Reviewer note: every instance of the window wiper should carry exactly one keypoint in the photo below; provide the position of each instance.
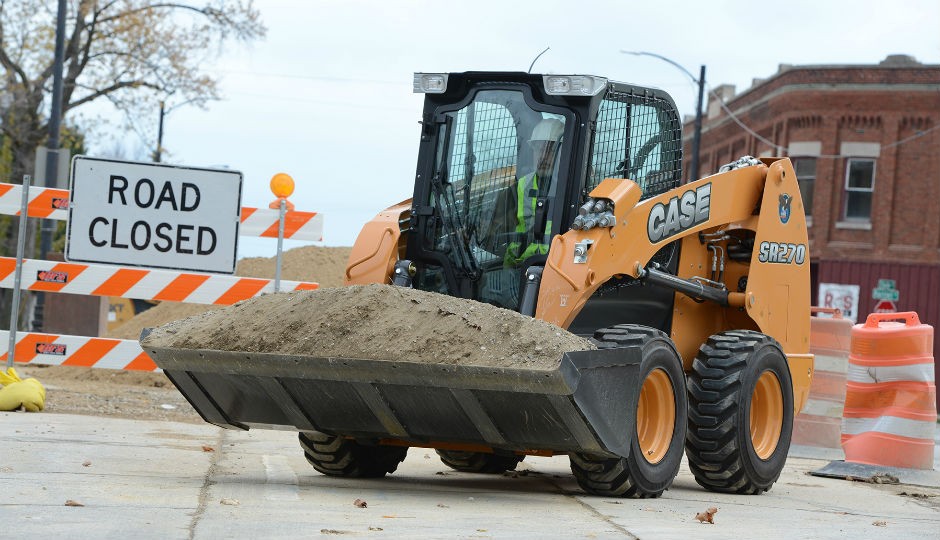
(453, 224)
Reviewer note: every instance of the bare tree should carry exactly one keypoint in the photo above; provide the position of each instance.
(130, 52)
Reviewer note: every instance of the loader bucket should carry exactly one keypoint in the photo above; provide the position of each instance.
(586, 404)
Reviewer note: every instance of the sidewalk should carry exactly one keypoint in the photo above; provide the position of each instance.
(148, 479)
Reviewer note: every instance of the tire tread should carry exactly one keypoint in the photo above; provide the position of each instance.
(333, 455)
(713, 442)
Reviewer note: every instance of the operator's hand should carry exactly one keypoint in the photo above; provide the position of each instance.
(509, 259)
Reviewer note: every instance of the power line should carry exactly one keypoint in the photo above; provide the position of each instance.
(742, 125)
(320, 102)
(319, 78)
(784, 149)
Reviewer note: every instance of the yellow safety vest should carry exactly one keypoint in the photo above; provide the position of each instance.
(525, 222)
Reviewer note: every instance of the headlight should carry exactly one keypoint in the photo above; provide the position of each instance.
(573, 85)
(430, 83)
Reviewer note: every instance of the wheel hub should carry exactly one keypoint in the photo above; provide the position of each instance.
(766, 414)
(655, 416)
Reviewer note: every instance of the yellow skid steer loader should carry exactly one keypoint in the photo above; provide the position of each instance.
(560, 197)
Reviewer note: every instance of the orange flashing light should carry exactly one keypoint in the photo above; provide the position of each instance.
(282, 185)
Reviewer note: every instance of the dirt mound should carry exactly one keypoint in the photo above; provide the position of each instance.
(324, 265)
(379, 322)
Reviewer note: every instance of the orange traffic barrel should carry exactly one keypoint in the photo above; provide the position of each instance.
(820, 422)
(890, 410)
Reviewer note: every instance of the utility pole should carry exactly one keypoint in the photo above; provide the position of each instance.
(159, 152)
(697, 134)
(55, 122)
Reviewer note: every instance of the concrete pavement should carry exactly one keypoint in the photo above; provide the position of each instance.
(149, 479)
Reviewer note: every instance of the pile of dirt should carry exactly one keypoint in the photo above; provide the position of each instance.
(323, 265)
(378, 322)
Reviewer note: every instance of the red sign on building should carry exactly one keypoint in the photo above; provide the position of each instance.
(885, 306)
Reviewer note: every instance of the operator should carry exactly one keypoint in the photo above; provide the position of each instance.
(530, 195)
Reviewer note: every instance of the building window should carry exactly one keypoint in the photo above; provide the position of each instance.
(805, 168)
(859, 186)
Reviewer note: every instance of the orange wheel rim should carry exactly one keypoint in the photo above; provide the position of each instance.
(766, 414)
(655, 416)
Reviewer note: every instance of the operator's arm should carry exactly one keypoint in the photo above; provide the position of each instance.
(497, 233)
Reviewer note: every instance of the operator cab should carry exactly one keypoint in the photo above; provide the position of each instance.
(506, 159)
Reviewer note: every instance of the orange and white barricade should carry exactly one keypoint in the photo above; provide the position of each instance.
(134, 282)
(890, 410)
(142, 283)
(52, 203)
(820, 422)
(63, 350)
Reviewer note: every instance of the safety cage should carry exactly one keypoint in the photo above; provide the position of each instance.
(470, 235)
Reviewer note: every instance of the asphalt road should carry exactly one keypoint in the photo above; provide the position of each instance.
(151, 479)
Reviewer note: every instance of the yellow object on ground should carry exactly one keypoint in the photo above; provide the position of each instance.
(16, 393)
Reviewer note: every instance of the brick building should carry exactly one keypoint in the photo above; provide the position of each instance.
(865, 142)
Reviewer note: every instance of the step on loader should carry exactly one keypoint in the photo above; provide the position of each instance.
(561, 198)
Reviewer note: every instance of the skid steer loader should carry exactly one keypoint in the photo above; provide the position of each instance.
(560, 197)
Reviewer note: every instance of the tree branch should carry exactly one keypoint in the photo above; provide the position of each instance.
(7, 62)
(215, 14)
(109, 90)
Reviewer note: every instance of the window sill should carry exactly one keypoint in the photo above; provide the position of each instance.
(855, 225)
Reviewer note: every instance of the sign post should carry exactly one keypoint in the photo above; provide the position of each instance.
(20, 245)
(282, 185)
(153, 215)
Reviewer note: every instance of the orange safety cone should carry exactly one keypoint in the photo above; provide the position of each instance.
(819, 424)
(890, 410)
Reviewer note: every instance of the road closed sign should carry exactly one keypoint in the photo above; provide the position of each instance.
(153, 215)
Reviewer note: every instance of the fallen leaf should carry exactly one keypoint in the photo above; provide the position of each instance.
(230, 502)
(882, 478)
(86, 464)
(879, 523)
(885, 478)
(70, 502)
(707, 516)
(359, 503)
(206, 448)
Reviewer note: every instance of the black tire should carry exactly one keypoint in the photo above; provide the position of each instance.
(636, 476)
(720, 446)
(478, 462)
(337, 456)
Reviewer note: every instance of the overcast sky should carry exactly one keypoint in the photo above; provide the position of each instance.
(327, 96)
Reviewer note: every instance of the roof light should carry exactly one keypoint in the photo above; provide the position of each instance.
(430, 83)
(573, 85)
